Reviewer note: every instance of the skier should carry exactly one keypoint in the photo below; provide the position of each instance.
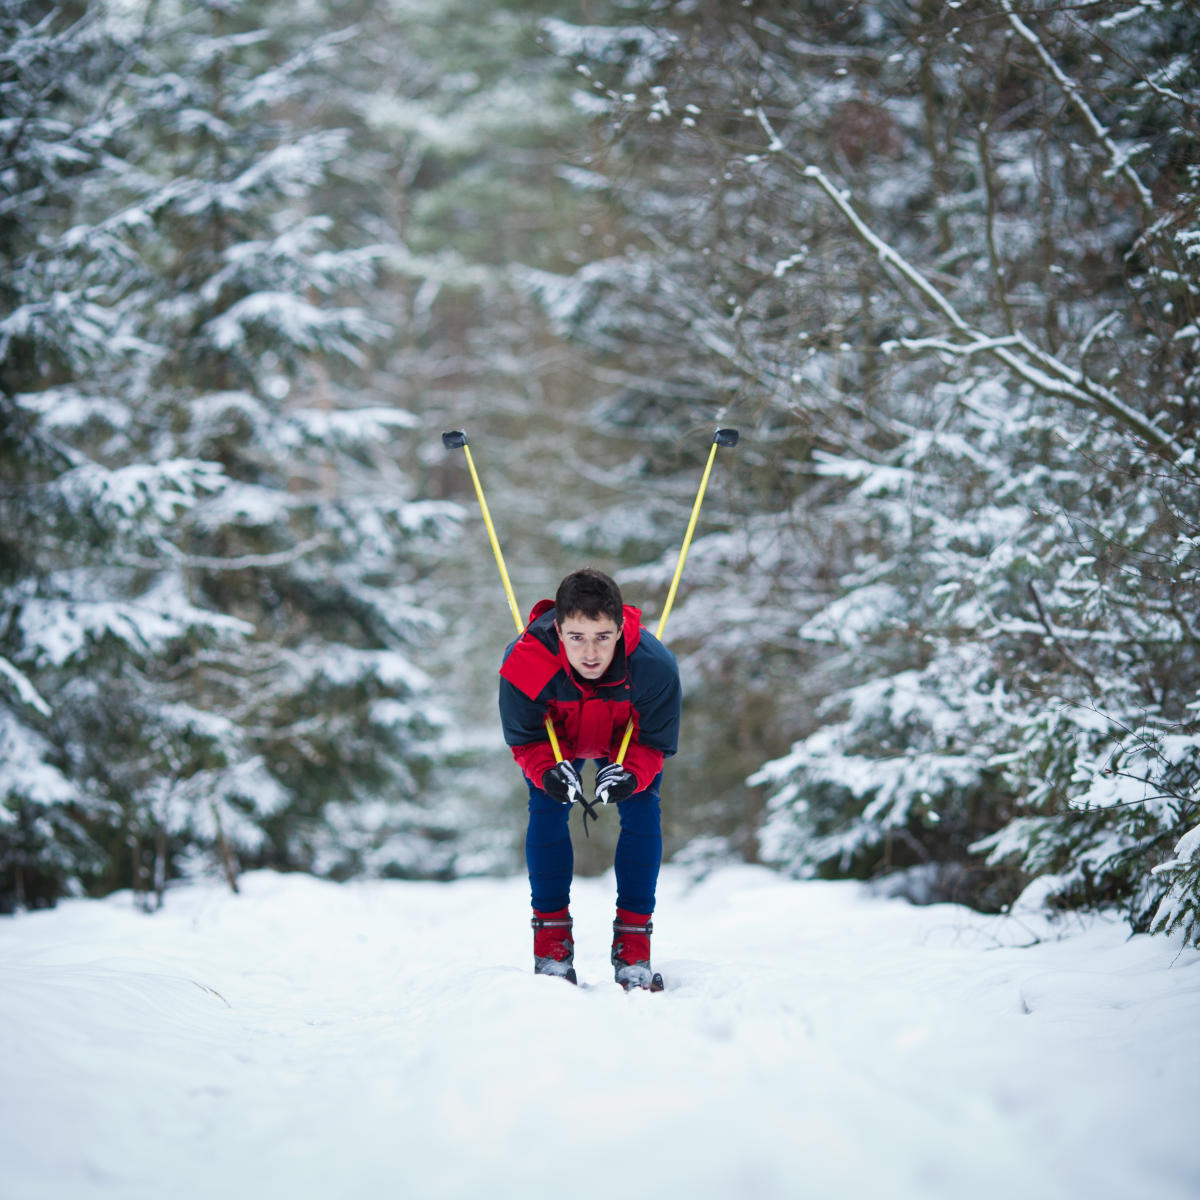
(585, 661)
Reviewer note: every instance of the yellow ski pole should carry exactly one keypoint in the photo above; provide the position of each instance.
(723, 437)
(453, 440)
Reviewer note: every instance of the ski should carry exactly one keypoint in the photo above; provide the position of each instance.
(656, 983)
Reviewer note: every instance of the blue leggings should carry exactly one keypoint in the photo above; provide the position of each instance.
(551, 859)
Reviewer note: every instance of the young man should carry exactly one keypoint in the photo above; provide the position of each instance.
(585, 661)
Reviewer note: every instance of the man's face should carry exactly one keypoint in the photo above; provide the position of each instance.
(590, 644)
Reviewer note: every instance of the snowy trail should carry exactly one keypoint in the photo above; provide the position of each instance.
(308, 1039)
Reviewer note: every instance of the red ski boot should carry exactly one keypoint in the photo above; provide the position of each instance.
(631, 951)
(553, 945)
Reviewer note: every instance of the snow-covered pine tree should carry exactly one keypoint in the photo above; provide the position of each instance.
(213, 617)
(78, 628)
(1059, 560)
(319, 540)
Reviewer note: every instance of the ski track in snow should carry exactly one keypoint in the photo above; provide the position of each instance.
(307, 1039)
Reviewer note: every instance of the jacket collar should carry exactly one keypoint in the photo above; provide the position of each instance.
(538, 654)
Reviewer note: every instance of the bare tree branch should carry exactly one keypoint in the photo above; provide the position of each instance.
(1119, 159)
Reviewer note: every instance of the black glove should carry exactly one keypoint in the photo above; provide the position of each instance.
(562, 783)
(614, 783)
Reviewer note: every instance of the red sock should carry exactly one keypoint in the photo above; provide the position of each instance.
(631, 947)
(554, 941)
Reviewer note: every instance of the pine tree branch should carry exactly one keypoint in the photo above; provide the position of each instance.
(242, 562)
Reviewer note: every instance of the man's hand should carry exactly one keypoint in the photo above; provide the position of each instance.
(614, 783)
(562, 783)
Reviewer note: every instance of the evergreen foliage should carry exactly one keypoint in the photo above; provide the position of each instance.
(949, 253)
(210, 619)
(939, 264)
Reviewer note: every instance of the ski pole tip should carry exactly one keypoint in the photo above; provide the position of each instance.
(453, 439)
(726, 437)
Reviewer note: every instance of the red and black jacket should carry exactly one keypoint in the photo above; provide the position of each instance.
(590, 716)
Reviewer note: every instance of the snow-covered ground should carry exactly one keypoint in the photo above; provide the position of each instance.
(370, 1040)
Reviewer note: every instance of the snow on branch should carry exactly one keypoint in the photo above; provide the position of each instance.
(1028, 362)
(774, 145)
(27, 771)
(1118, 157)
(57, 630)
(141, 491)
(356, 426)
(637, 47)
(288, 78)
(26, 692)
(978, 346)
(1045, 372)
(240, 562)
(298, 322)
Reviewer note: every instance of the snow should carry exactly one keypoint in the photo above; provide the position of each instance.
(307, 1038)
(58, 630)
(293, 321)
(141, 490)
(27, 770)
(852, 618)
(346, 666)
(19, 682)
(639, 47)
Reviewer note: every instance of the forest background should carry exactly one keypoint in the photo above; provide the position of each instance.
(938, 263)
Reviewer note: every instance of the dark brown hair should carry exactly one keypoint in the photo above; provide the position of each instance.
(589, 593)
